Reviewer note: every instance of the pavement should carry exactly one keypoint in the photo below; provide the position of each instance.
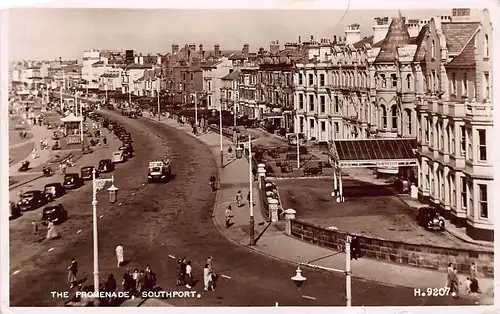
(273, 242)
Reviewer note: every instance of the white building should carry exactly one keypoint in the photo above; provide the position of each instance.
(213, 72)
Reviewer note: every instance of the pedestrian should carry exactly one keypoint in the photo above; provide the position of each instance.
(110, 286)
(228, 215)
(140, 283)
(207, 278)
(20, 194)
(254, 174)
(181, 271)
(72, 272)
(454, 282)
(189, 275)
(128, 282)
(51, 231)
(135, 277)
(239, 197)
(35, 231)
(105, 141)
(248, 198)
(150, 278)
(467, 285)
(119, 254)
(474, 287)
(34, 153)
(230, 151)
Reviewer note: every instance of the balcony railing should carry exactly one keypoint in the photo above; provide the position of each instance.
(479, 110)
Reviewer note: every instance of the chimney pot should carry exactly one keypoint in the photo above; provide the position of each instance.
(300, 41)
(312, 38)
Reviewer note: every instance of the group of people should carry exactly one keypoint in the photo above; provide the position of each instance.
(471, 284)
(51, 231)
(185, 274)
(139, 281)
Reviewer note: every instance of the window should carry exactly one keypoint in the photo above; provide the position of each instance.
(323, 126)
(453, 192)
(301, 81)
(434, 80)
(301, 101)
(382, 81)
(464, 191)
(394, 79)
(337, 106)
(311, 124)
(384, 117)
(311, 80)
(487, 85)
(433, 50)
(321, 80)
(464, 92)
(336, 126)
(408, 82)
(394, 115)
(192, 76)
(483, 200)
(482, 145)
(454, 83)
(462, 140)
(322, 104)
(452, 139)
(209, 86)
(486, 46)
(209, 101)
(311, 102)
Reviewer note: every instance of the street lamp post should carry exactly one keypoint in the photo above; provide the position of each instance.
(158, 80)
(195, 113)
(297, 139)
(220, 137)
(61, 92)
(250, 176)
(299, 279)
(98, 184)
(81, 124)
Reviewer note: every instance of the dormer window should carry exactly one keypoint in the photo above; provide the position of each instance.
(433, 50)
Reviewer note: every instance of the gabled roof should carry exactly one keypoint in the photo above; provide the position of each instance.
(362, 42)
(137, 66)
(421, 44)
(111, 75)
(397, 35)
(457, 35)
(232, 76)
(466, 59)
(209, 64)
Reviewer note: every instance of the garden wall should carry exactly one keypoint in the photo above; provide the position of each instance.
(423, 256)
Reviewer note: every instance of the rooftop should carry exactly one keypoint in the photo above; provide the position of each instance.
(458, 34)
(374, 149)
(397, 35)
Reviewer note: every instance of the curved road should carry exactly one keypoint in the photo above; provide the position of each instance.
(155, 221)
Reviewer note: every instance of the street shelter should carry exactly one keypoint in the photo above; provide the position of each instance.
(356, 153)
(71, 124)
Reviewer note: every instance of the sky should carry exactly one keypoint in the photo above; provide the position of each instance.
(50, 33)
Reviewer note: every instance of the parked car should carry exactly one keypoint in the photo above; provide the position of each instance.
(86, 172)
(15, 211)
(127, 151)
(72, 181)
(55, 213)
(118, 157)
(31, 200)
(429, 218)
(106, 165)
(53, 190)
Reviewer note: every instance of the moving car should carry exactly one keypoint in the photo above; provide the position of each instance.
(15, 211)
(72, 181)
(105, 165)
(159, 171)
(86, 172)
(53, 190)
(55, 213)
(31, 200)
(429, 218)
(119, 157)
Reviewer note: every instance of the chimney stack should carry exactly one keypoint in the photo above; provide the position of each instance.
(141, 60)
(175, 49)
(274, 47)
(136, 59)
(192, 47)
(312, 38)
(246, 50)
(300, 41)
(158, 60)
(335, 39)
(217, 51)
(201, 47)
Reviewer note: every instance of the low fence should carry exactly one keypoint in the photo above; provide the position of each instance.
(422, 256)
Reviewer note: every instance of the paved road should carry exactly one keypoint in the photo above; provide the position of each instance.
(156, 221)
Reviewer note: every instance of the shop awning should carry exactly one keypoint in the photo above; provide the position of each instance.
(374, 152)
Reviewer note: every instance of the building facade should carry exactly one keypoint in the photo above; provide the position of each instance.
(229, 92)
(455, 123)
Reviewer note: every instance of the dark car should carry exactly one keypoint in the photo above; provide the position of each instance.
(128, 151)
(55, 213)
(31, 200)
(53, 190)
(105, 165)
(72, 181)
(429, 218)
(86, 172)
(15, 211)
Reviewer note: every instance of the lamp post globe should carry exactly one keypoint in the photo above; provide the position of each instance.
(112, 193)
(298, 279)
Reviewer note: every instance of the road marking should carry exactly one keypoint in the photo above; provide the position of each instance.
(51, 249)
(171, 256)
(227, 277)
(16, 272)
(79, 231)
(308, 297)
(119, 204)
(133, 193)
(101, 216)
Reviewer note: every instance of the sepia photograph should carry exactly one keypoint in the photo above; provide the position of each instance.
(177, 157)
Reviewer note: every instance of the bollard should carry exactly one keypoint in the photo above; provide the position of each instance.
(273, 209)
(289, 216)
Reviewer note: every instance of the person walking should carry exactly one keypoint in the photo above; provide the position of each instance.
(135, 277)
(181, 271)
(228, 215)
(239, 197)
(119, 254)
(207, 279)
(150, 278)
(110, 286)
(51, 231)
(140, 283)
(35, 231)
(454, 282)
(189, 275)
(248, 198)
(128, 282)
(72, 272)
(254, 174)
(474, 285)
